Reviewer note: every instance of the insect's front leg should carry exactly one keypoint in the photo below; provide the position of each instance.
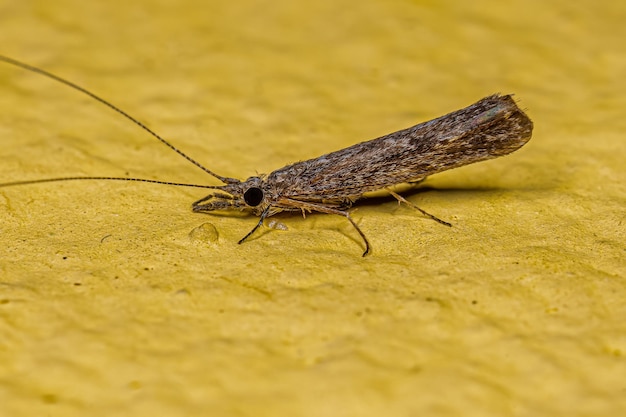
(259, 224)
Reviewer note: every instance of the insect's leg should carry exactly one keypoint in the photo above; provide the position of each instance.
(408, 203)
(323, 209)
(417, 181)
(367, 244)
(259, 224)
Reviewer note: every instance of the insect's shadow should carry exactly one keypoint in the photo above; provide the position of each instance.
(377, 199)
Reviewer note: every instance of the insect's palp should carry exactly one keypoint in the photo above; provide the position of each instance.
(212, 196)
(215, 201)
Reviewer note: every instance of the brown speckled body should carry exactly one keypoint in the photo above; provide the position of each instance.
(492, 127)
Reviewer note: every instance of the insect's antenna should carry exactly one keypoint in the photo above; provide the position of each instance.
(39, 181)
(45, 73)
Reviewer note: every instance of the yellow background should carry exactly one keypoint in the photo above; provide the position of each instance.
(116, 299)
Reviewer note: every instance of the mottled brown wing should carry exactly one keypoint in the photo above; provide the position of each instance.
(491, 127)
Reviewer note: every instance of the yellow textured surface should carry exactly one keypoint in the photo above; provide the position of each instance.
(116, 299)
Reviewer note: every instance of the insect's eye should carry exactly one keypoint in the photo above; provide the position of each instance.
(253, 196)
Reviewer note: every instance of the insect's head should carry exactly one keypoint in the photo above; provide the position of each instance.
(246, 195)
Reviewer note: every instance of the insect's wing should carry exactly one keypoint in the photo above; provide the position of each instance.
(491, 127)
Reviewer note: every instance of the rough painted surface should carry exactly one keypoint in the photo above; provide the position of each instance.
(117, 299)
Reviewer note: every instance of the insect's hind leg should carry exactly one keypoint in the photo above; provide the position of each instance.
(408, 203)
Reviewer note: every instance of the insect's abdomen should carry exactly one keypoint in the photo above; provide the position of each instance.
(491, 127)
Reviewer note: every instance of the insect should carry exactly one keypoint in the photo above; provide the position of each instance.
(493, 126)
